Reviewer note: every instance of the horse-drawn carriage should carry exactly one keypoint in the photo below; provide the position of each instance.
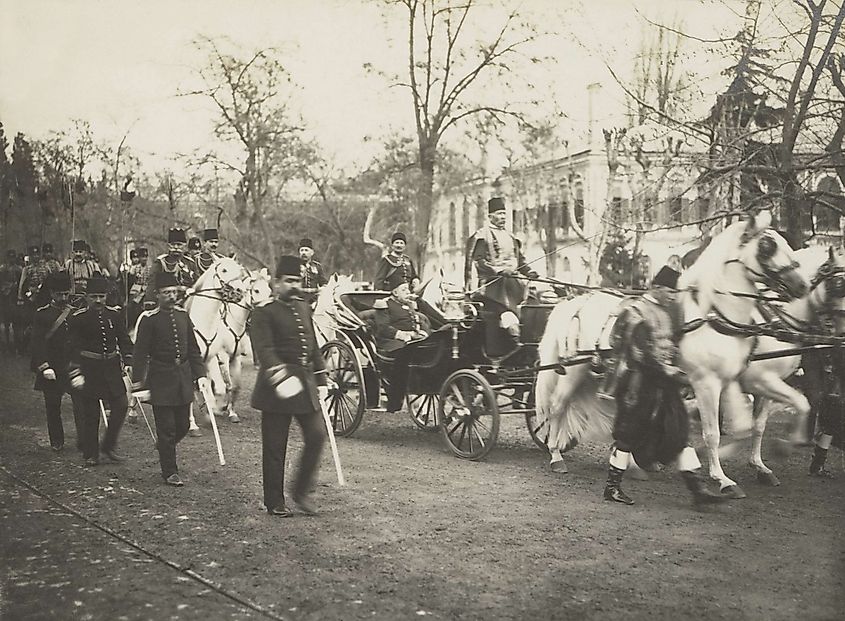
(454, 386)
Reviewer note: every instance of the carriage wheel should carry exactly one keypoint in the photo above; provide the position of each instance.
(468, 414)
(423, 410)
(346, 400)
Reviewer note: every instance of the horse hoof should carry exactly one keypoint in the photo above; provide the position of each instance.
(559, 467)
(734, 492)
(195, 433)
(768, 478)
(233, 418)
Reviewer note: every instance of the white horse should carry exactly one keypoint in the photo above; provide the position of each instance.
(219, 306)
(325, 308)
(765, 378)
(713, 354)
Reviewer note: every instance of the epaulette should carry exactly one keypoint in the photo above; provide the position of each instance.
(380, 304)
(80, 311)
(40, 308)
(116, 309)
(181, 308)
(150, 313)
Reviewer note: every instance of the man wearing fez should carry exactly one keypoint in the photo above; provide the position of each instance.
(175, 262)
(99, 345)
(194, 247)
(498, 260)
(396, 262)
(167, 363)
(397, 324)
(32, 277)
(651, 421)
(208, 256)
(50, 358)
(80, 267)
(313, 276)
(291, 383)
(10, 277)
(136, 282)
(49, 256)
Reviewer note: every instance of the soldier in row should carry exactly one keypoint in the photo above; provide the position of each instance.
(51, 357)
(167, 364)
(99, 347)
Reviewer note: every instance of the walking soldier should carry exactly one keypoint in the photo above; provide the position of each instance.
(98, 345)
(50, 358)
(167, 362)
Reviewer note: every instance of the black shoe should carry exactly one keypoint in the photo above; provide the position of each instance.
(615, 493)
(822, 473)
(701, 495)
(305, 505)
(174, 480)
(280, 511)
(112, 456)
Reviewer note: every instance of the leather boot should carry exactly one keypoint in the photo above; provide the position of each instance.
(613, 490)
(817, 468)
(696, 483)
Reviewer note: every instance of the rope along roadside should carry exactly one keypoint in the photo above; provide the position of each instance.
(190, 573)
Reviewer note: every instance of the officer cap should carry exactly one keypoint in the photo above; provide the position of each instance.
(666, 277)
(399, 235)
(97, 284)
(58, 281)
(143, 252)
(165, 279)
(133, 254)
(288, 265)
(305, 242)
(78, 245)
(209, 234)
(175, 236)
(497, 203)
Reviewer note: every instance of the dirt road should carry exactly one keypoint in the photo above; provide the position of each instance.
(416, 533)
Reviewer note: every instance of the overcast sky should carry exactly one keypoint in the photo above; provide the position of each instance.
(120, 63)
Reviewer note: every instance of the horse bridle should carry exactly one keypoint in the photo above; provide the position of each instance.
(766, 249)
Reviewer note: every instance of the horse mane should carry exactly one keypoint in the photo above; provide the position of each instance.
(704, 275)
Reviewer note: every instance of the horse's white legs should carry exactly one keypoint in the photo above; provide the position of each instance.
(761, 415)
(775, 388)
(233, 371)
(708, 392)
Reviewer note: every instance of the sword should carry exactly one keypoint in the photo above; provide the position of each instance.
(209, 405)
(340, 479)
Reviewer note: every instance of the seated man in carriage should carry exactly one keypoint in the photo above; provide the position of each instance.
(498, 260)
(398, 324)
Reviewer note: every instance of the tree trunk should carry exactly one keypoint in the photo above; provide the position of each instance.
(425, 202)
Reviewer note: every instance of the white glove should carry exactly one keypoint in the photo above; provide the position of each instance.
(203, 384)
(323, 392)
(77, 382)
(49, 374)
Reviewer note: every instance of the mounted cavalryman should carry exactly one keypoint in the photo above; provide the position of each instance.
(208, 256)
(313, 276)
(175, 262)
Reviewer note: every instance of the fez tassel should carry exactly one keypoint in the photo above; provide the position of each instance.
(341, 481)
(209, 404)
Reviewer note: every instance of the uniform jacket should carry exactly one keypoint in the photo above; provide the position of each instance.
(79, 272)
(313, 276)
(485, 251)
(395, 316)
(282, 333)
(98, 344)
(166, 358)
(33, 276)
(645, 344)
(50, 347)
(184, 268)
(205, 260)
(388, 265)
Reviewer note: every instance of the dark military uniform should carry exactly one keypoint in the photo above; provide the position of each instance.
(10, 277)
(181, 266)
(392, 316)
(98, 345)
(282, 333)
(167, 361)
(390, 265)
(313, 276)
(205, 260)
(50, 350)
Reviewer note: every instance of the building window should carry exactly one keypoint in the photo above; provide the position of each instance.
(578, 198)
(830, 193)
(453, 224)
(465, 224)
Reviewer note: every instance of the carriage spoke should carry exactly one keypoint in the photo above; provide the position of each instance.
(478, 435)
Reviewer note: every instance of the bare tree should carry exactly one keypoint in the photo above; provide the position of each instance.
(252, 96)
(445, 69)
